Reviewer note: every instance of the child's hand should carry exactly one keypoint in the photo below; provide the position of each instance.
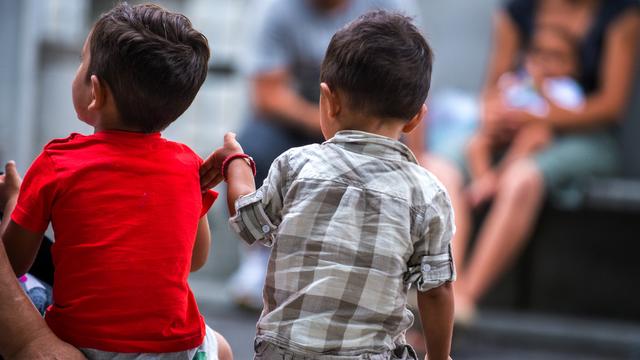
(210, 171)
(9, 184)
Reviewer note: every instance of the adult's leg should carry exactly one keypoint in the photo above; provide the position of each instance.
(506, 229)
(453, 180)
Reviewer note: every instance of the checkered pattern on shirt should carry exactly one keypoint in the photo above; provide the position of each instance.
(352, 222)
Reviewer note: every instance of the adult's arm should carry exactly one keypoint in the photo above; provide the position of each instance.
(619, 63)
(506, 44)
(273, 95)
(24, 332)
(504, 54)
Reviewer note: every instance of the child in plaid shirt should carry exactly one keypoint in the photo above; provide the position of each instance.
(355, 221)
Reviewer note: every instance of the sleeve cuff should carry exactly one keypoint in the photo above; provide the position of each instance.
(251, 222)
(23, 219)
(208, 198)
(431, 272)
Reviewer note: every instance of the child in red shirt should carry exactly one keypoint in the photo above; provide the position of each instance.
(125, 204)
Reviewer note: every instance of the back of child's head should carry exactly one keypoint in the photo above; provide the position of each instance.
(152, 60)
(381, 63)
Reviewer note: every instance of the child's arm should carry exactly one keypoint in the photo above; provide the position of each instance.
(239, 175)
(239, 183)
(21, 245)
(436, 314)
(431, 270)
(202, 245)
(255, 214)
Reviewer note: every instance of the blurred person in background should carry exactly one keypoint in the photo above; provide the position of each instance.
(283, 65)
(583, 142)
(548, 74)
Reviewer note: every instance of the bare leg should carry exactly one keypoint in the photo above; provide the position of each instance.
(506, 229)
(453, 181)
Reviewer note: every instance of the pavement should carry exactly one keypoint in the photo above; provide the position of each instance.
(496, 335)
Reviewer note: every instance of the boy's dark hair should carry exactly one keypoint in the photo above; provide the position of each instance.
(382, 65)
(153, 61)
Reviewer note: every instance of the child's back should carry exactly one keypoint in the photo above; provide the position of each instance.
(125, 208)
(355, 211)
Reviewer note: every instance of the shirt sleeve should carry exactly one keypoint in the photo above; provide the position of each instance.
(208, 198)
(431, 264)
(259, 214)
(269, 45)
(37, 194)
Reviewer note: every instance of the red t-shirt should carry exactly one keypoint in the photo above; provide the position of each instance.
(125, 209)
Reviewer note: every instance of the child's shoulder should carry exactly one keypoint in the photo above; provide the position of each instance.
(426, 186)
(297, 154)
(62, 143)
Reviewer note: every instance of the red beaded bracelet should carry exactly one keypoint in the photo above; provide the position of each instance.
(230, 158)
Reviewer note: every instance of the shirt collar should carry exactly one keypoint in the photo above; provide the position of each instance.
(372, 145)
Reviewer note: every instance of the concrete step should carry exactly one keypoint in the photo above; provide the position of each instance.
(510, 335)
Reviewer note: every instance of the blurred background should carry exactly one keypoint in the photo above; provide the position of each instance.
(572, 295)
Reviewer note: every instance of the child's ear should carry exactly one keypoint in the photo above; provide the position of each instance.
(98, 94)
(409, 126)
(331, 100)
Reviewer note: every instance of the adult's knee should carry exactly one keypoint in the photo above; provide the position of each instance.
(448, 173)
(521, 182)
(224, 349)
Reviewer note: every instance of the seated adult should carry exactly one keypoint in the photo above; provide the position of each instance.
(583, 143)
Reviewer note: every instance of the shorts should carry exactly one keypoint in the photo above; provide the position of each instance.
(207, 351)
(568, 163)
(268, 351)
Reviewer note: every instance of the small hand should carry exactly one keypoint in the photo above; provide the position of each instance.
(210, 171)
(9, 184)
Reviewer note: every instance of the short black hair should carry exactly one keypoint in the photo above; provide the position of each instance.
(153, 61)
(381, 63)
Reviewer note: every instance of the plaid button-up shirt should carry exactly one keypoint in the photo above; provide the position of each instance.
(352, 224)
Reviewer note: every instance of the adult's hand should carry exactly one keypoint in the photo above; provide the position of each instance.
(9, 184)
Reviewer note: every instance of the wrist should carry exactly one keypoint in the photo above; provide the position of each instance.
(235, 158)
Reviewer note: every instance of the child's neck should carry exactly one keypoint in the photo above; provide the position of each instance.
(390, 128)
(113, 124)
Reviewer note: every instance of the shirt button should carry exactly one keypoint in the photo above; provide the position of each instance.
(265, 228)
(426, 267)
